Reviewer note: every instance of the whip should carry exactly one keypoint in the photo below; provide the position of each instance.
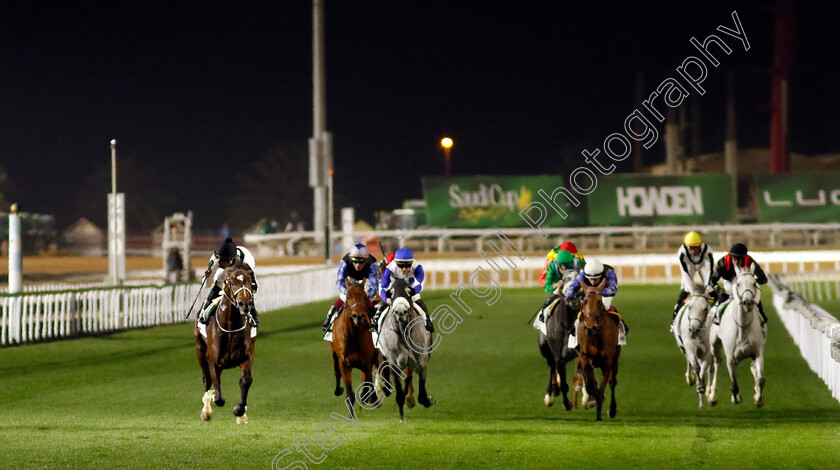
(203, 280)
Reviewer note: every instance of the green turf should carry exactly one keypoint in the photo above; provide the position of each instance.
(132, 400)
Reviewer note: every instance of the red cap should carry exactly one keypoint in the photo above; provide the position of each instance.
(389, 258)
(569, 246)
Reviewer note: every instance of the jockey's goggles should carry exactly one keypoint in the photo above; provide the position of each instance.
(358, 260)
(403, 264)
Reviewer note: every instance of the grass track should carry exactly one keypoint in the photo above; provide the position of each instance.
(131, 400)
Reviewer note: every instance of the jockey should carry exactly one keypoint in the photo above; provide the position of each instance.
(695, 257)
(568, 246)
(728, 267)
(357, 264)
(403, 267)
(228, 255)
(591, 275)
(564, 261)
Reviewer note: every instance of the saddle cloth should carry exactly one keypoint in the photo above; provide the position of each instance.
(208, 313)
(540, 325)
(375, 334)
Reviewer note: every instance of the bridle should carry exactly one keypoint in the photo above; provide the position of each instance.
(232, 299)
(740, 295)
(597, 316)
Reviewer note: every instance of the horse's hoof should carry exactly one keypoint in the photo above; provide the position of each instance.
(567, 405)
(759, 403)
(431, 401)
(339, 391)
(402, 420)
(410, 402)
(548, 400)
(611, 413)
(590, 404)
(206, 416)
(239, 410)
(220, 402)
(242, 419)
(713, 402)
(736, 399)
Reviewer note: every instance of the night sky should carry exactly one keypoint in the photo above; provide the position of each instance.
(195, 93)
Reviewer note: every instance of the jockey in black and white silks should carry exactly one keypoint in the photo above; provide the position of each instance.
(696, 259)
(228, 255)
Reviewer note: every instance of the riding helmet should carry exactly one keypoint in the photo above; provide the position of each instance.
(404, 254)
(568, 246)
(359, 251)
(593, 269)
(692, 239)
(227, 249)
(565, 258)
(738, 249)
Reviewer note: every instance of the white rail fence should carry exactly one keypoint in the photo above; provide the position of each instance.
(38, 316)
(814, 330)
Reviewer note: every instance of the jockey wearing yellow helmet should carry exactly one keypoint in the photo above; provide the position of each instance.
(696, 258)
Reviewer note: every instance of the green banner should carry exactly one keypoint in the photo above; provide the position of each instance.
(798, 198)
(496, 201)
(655, 200)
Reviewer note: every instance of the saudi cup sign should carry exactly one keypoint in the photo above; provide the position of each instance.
(656, 200)
(799, 198)
(490, 201)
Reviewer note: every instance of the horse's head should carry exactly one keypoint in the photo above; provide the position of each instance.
(357, 302)
(239, 291)
(592, 309)
(698, 310)
(401, 302)
(746, 290)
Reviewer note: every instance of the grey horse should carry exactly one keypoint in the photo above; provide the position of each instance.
(405, 343)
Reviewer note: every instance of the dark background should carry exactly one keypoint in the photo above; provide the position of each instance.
(211, 104)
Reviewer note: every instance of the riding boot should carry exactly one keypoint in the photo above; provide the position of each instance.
(763, 315)
(721, 300)
(214, 292)
(373, 319)
(254, 320)
(330, 314)
(429, 327)
(626, 328)
(680, 300)
(548, 302)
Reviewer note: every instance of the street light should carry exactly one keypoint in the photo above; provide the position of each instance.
(446, 143)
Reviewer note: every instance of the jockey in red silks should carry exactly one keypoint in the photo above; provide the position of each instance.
(728, 267)
(568, 246)
(358, 264)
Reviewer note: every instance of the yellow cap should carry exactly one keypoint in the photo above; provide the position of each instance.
(693, 239)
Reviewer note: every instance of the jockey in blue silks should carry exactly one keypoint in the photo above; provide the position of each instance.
(358, 264)
(592, 275)
(403, 267)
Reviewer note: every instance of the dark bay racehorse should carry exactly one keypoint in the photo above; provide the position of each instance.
(405, 345)
(554, 346)
(598, 340)
(352, 344)
(228, 344)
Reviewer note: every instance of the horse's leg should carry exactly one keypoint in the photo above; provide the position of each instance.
(733, 371)
(758, 373)
(714, 367)
(408, 389)
(367, 377)
(564, 386)
(552, 383)
(216, 377)
(244, 385)
(591, 388)
(348, 381)
(577, 385)
(337, 370)
(400, 395)
(614, 381)
(424, 398)
(690, 377)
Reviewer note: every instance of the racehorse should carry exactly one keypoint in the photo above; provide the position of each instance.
(228, 344)
(405, 343)
(740, 335)
(352, 344)
(691, 330)
(598, 340)
(554, 345)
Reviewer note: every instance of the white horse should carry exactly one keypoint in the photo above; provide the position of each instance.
(691, 330)
(740, 335)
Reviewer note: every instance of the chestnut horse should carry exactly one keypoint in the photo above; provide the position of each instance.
(228, 344)
(598, 339)
(352, 343)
